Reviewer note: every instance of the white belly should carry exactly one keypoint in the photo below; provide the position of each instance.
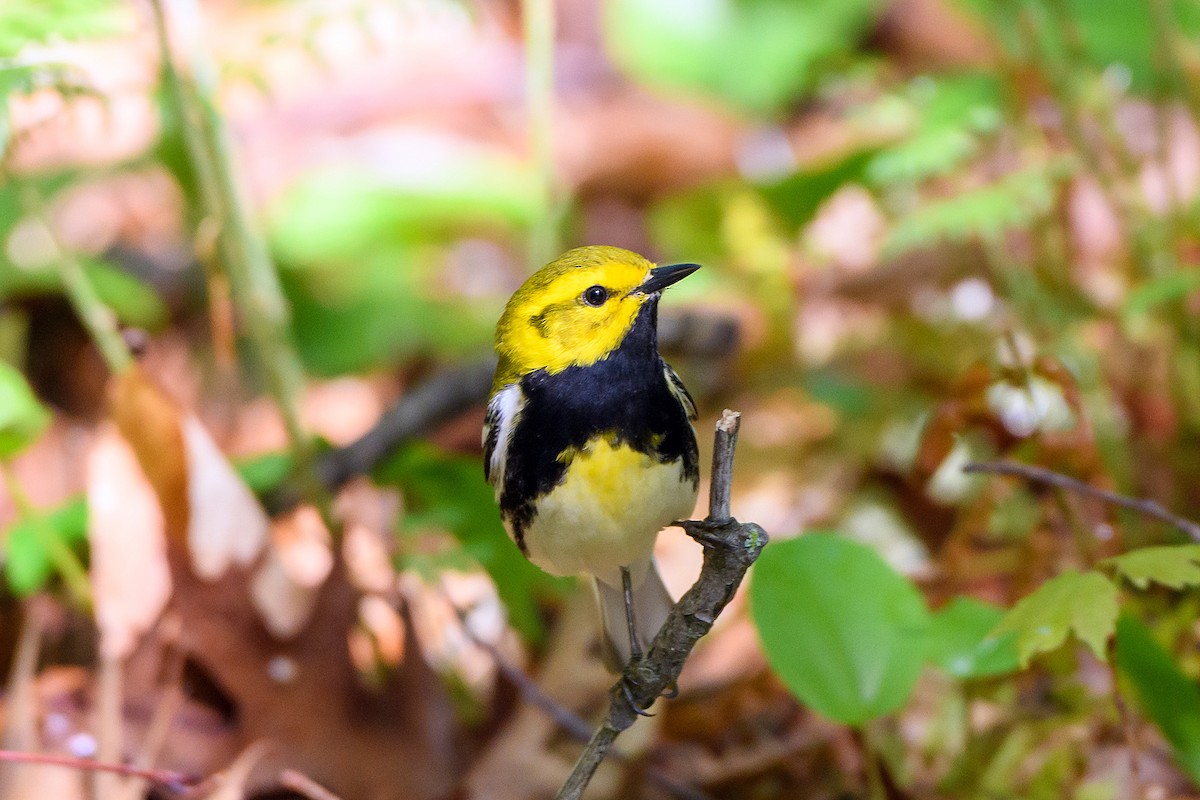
(607, 512)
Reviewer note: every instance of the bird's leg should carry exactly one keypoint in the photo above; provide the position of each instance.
(635, 647)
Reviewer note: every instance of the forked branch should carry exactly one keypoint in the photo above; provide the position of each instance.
(730, 547)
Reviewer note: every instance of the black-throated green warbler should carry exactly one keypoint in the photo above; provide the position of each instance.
(588, 439)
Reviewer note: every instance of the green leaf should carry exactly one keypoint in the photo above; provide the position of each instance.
(797, 197)
(1175, 566)
(1160, 290)
(960, 640)
(132, 300)
(27, 564)
(845, 633)
(26, 22)
(339, 215)
(1083, 603)
(1168, 697)
(264, 472)
(22, 417)
(950, 116)
(362, 257)
(449, 491)
(1114, 33)
(1013, 202)
(758, 55)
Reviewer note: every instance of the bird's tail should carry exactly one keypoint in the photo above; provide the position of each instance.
(651, 604)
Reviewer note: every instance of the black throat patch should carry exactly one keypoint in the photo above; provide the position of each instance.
(624, 395)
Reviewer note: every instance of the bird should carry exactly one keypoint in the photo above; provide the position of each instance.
(588, 438)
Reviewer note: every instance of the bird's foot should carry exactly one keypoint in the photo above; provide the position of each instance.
(627, 690)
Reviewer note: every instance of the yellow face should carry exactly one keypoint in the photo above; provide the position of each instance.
(572, 312)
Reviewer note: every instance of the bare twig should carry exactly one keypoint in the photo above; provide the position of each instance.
(730, 548)
(1151, 508)
(163, 777)
(96, 316)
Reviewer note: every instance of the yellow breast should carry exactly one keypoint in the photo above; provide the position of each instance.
(607, 511)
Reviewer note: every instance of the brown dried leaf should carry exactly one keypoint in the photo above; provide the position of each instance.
(297, 562)
(227, 526)
(150, 424)
(130, 578)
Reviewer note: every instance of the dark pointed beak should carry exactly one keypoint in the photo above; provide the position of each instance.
(662, 277)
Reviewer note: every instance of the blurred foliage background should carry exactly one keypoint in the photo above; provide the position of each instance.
(260, 246)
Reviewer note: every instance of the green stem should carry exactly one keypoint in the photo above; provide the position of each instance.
(65, 561)
(96, 316)
(243, 254)
(538, 19)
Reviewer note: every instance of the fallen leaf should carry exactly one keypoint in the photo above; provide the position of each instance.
(227, 526)
(150, 423)
(283, 604)
(130, 579)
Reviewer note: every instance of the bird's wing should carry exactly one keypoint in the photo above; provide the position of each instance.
(680, 391)
(502, 412)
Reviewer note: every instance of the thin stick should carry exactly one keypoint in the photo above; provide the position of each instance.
(96, 316)
(1151, 508)
(730, 548)
(589, 761)
(162, 777)
(724, 444)
(19, 729)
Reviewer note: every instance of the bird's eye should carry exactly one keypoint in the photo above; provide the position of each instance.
(595, 295)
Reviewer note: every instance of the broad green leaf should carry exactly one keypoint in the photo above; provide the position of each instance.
(338, 216)
(22, 417)
(449, 492)
(26, 22)
(758, 55)
(960, 640)
(362, 257)
(1168, 697)
(844, 632)
(27, 565)
(1175, 566)
(1083, 603)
